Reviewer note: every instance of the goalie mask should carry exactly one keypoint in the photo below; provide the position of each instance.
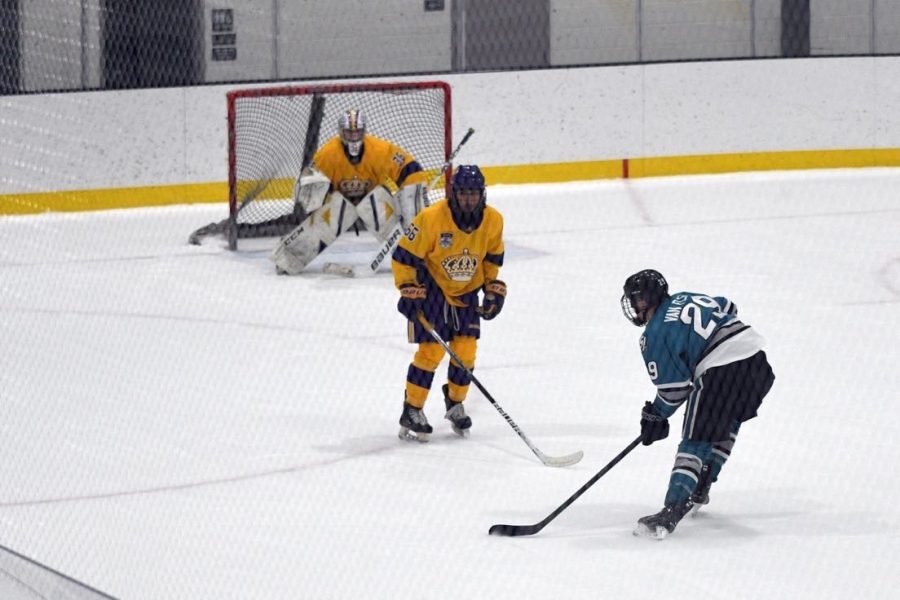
(643, 291)
(352, 129)
(467, 197)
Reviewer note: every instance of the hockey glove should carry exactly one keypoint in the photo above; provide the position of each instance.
(654, 427)
(494, 295)
(412, 299)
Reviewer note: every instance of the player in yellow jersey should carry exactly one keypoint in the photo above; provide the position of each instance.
(451, 251)
(346, 183)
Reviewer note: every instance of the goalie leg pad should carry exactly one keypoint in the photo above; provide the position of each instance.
(299, 247)
(376, 210)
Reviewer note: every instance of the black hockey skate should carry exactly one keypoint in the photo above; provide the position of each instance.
(413, 424)
(700, 497)
(456, 414)
(663, 523)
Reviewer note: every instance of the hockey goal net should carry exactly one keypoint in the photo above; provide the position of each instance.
(274, 132)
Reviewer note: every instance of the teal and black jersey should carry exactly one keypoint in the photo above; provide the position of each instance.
(688, 334)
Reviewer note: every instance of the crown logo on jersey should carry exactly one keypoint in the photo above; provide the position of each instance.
(461, 267)
(354, 189)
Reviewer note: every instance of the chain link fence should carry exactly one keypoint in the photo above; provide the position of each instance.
(58, 45)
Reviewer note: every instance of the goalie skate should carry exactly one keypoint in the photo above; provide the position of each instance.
(413, 424)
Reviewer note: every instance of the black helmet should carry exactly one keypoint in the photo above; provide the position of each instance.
(467, 178)
(647, 285)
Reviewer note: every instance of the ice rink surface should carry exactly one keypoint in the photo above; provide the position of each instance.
(179, 422)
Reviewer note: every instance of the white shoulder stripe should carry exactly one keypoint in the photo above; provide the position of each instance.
(677, 384)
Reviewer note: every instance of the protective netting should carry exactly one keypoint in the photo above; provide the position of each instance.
(273, 130)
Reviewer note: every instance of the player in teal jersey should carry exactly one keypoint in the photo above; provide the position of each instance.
(697, 352)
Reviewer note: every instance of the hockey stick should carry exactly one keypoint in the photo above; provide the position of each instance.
(517, 530)
(550, 461)
(390, 242)
(450, 158)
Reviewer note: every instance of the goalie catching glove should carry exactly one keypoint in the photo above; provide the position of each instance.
(494, 295)
(412, 299)
(311, 188)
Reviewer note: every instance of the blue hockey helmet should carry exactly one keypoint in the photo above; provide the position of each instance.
(467, 178)
(644, 290)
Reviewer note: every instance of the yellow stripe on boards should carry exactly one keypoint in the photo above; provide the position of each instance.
(554, 172)
(195, 193)
(762, 161)
(103, 199)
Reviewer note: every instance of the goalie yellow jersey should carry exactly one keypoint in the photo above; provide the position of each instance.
(457, 261)
(381, 162)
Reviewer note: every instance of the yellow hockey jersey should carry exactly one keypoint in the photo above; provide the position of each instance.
(457, 261)
(381, 162)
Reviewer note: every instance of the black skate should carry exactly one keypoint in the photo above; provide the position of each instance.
(700, 497)
(456, 414)
(663, 523)
(413, 424)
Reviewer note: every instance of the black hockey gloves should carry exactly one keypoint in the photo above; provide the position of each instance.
(654, 427)
(494, 295)
(412, 297)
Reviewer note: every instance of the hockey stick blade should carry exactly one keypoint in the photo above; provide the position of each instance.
(520, 530)
(339, 269)
(515, 530)
(349, 271)
(196, 238)
(561, 461)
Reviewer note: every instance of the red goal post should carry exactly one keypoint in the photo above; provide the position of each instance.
(273, 133)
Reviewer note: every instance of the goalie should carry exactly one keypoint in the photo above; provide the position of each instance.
(345, 184)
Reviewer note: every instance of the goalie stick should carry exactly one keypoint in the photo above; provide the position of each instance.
(550, 461)
(390, 242)
(518, 530)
